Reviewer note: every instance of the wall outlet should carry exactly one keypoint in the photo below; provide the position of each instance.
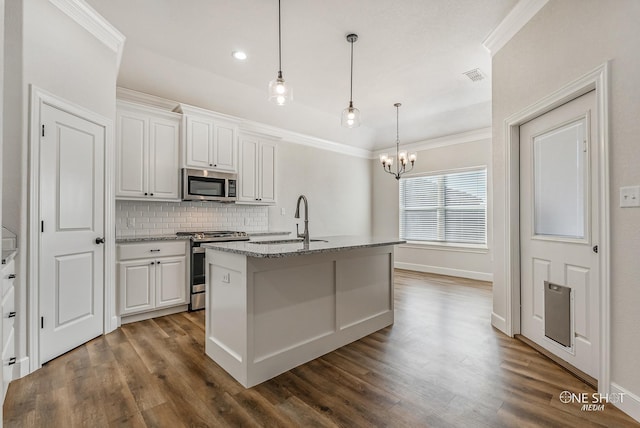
(630, 196)
(226, 278)
(131, 222)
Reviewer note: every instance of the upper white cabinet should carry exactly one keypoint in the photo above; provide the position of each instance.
(210, 140)
(257, 171)
(147, 157)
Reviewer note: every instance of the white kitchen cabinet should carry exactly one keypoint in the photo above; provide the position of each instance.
(147, 153)
(210, 140)
(257, 171)
(152, 276)
(8, 318)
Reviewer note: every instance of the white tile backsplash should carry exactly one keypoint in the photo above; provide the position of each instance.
(145, 218)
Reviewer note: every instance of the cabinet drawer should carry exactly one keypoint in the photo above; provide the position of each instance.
(8, 308)
(8, 271)
(145, 250)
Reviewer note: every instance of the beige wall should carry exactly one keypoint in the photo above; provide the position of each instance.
(53, 53)
(448, 261)
(564, 41)
(337, 186)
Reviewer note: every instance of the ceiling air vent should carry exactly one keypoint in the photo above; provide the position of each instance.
(475, 75)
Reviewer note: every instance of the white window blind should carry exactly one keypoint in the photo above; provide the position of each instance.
(445, 207)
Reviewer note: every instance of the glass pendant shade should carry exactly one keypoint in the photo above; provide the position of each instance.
(350, 117)
(279, 92)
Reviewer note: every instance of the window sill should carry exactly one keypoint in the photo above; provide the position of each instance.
(446, 246)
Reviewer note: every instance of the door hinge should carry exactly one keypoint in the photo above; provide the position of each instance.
(43, 130)
(42, 226)
(584, 146)
(41, 322)
(595, 249)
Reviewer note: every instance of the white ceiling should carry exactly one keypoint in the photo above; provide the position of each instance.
(408, 51)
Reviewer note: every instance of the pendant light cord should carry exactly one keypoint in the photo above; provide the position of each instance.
(279, 42)
(351, 86)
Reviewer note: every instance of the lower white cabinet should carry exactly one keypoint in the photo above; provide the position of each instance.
(152, 276)
(8, 319)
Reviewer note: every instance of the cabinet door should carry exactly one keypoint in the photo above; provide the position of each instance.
(267, 173)
(248, 178)
(171, 281)
(164, 172)
(224, 148)
(132, 142)
(137, 286)
(199, 142)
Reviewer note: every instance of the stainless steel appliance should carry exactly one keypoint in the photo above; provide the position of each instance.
(203, 185)
(197, 267)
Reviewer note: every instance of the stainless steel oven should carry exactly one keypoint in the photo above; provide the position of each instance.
(203, 185)
(198, 266)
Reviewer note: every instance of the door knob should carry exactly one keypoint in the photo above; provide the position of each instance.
(99, 240)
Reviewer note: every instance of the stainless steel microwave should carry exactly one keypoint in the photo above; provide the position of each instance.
(203, 185)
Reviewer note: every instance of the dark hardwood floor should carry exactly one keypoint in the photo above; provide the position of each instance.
(441, 364)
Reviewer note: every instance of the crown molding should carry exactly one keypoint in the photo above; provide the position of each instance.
(130, 95)
(94, 23)
(244, 126)
(302, 139)
(521, 13)
(448, 140)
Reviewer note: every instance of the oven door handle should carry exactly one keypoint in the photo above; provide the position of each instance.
(198, 250)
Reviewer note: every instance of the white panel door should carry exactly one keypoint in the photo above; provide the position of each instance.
(171, 281)
(267, 173)
(164, 171)
(131, 157)
(72, 212)
(249, 152)
(559, 229)
(225, 148)
(199, 143)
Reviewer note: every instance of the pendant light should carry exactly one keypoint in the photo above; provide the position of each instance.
(386, 161)
(279, 92)
(351, 115)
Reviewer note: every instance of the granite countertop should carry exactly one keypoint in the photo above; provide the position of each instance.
(7, 255)
(255, 248)
(269, 233)
(152, 238)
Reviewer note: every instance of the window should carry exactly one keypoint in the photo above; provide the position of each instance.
(450, 207)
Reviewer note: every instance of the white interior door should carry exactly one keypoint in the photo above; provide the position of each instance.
(71, 208)
(558, 232)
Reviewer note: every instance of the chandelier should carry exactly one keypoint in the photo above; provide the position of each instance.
(401, 166)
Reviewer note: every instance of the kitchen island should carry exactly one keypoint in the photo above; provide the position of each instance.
(274, 305)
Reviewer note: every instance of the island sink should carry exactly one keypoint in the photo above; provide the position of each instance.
(286, 241)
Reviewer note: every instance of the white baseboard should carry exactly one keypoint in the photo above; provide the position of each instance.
(126, 319)
(21, 369)
(630, 402)
(480, 276)
(499, 322)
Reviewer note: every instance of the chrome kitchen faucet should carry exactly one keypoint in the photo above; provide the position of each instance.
(305, 234)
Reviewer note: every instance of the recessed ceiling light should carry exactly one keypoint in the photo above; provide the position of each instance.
(239, 55)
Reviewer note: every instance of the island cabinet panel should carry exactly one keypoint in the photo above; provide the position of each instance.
(267, 315)
(363, 288)
(286, 314)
